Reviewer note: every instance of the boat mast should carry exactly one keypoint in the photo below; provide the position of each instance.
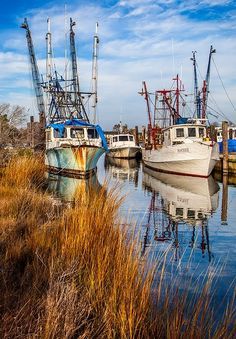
(75, 77)
(81, 113)
(177, 93)
(197, 99)
(95, 72)
(35, 72)
(206, 82)
(146, 97)
(49, 52)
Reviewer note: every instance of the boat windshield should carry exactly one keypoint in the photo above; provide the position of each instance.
(58, 134)
(131, 138)
(77, 132)
(192, 132)
(92, 133)
(123, 138)
(201, 132)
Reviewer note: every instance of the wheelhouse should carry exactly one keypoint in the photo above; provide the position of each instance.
(73, 133)
(121, 139)
(179, 134)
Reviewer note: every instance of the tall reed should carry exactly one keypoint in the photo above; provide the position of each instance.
(75, 272)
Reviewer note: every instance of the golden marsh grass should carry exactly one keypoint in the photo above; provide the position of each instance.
(73, 272)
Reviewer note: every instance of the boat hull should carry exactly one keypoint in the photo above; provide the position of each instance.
(75, 161)
(193, 159)
(128, 152)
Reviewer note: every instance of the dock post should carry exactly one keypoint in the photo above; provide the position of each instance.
(136, 135)
(225, 147)
(213, 133)
(144, 134)
(224, 206)
(31, 132)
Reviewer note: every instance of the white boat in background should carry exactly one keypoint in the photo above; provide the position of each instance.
(231, 133)
(123, 146)
(189, 200)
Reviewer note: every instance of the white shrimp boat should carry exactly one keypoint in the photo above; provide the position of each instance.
(185, 150)
(123, 146)
(176, 144)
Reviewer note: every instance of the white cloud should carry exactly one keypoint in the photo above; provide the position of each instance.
(140, 40)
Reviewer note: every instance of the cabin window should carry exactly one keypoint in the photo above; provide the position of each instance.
(179, 132)
(59, 134)
(77, 133)
(56, 133)
(131, 138)
(123, 138)
(191, 132)
(179, 212)
(191, 214)
(114, 139)
(92, 133)
(201, 132)
(200, 215)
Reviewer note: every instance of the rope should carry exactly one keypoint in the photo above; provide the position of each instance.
(223, 84)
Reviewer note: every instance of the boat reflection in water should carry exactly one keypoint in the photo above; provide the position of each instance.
(123, 169)
(66, 188)
(180, 207)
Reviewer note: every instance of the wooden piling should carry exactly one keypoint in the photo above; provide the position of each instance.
(136, 135)
(225, 147)
(143, 134)
(224, 206)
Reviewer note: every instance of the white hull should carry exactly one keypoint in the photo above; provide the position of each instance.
(126, 152)
(193, 159)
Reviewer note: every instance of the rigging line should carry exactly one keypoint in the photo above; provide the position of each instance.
(217, 106)
(223, 84)
(218, 112)
(199, 71)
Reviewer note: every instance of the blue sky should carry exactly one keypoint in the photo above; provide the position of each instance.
(139, 40)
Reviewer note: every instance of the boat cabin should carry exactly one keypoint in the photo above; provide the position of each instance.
(231, 133)
(71, 134)
(122, 140)
(179, 134)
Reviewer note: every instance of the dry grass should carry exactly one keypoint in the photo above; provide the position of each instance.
(74, 273)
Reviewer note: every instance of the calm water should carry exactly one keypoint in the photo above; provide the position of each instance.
(182, 216)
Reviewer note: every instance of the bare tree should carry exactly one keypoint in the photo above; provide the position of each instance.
(11, 120)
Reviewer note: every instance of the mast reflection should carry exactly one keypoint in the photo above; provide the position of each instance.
(177, 202)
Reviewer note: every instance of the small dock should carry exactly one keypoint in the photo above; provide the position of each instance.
(231, 170)
(227, 163)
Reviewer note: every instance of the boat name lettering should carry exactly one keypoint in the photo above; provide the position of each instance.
(184, 200)
(183, 150)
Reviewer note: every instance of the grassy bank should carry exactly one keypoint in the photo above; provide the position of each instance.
(72, 272)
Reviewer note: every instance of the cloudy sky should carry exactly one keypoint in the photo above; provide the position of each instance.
(139, 40)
